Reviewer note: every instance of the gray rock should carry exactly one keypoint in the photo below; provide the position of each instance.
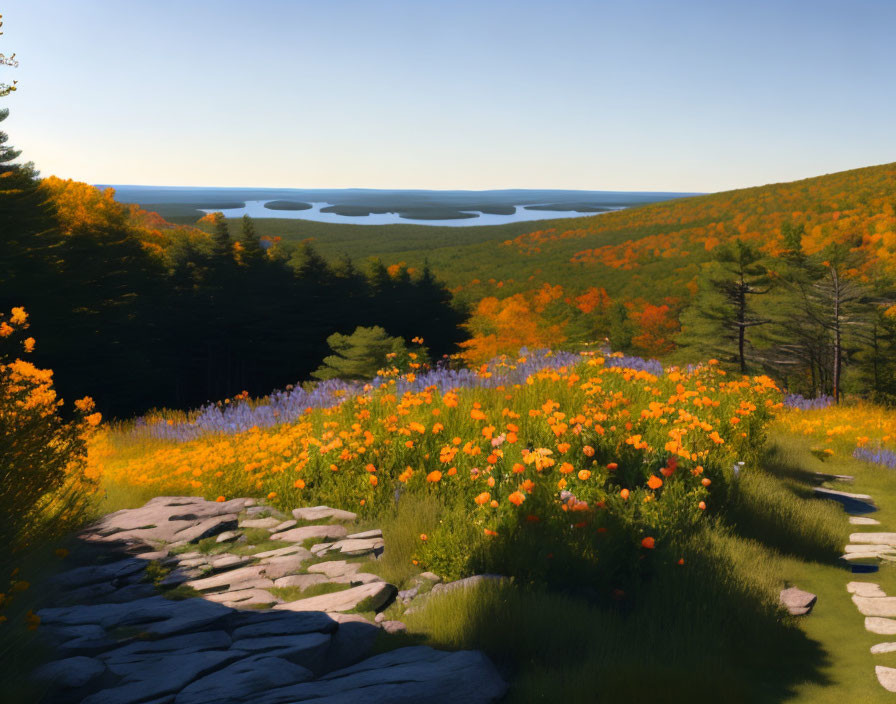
(281, 623)
(352, 641)
(81, 576)
(474, 581)
(430, 577)
(357, 578)
(797, 601)
(403, 676)
(307, 649)
(285, 525)
(887, 677)
(881, 626)
(267, 523)
(228, 536)
(165, 675)
(875, 606)
(393, 626)
(207, 528)
(354, 547)
(288, 550)
(335, 568)
(375, 533)
(141, 650)
(240, 682)
(883, 648)
(408, 594)
(320, 513)
(244, 597)
(240, 578)
(873, 538)
(302, 581)
(298, 535)
(869, 589)
(276, 567)
(229, 562)
(70, 673)
(155, 615)
(377, 594)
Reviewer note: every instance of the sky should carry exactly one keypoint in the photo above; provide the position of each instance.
(693, 96)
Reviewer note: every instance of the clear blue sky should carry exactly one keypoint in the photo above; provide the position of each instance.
(626, 95)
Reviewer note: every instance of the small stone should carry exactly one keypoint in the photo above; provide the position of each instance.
(867, 589)
(881, 626)
(430, 576)
(380, 617)
(285, 525)
(862, 521)
(71, 672)
(408, 594)
(319, 513)
(887, 677)
(228, 536)
(393, 626)
(883, 648)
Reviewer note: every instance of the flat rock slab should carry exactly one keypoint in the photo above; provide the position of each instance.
(228, 536)
(866, 589)
(375, 533)
(302, 581)
(284, 525)
(83, 576)
(281, 623)
(69, 673)
(870, 547)
(876, 606)
(863, 521)
(308, 649)
(887, 677)
(287, 550)
(466, 583)
(797, 601)
(241, 681)
(873, 538)
(335, 568)
(244, 597)
(357, 578)
(276, 567)
(298, 535)
(416, 674)
(376, 594)
(883, 648)
(142, 650)
(265, 523)
(355, 547)
(881, 626)
(240, 578)
(321, 513)
(852, 503)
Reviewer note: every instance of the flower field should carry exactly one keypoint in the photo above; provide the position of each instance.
(863, 430)
(533, 459)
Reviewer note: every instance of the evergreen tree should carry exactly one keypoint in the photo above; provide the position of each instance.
(359, 355)
(252, 251)
(222, 243)
(718, 321)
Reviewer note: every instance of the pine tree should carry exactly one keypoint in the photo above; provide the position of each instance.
(252, 251)
(359, 355)
(723, 312)
(222, 243)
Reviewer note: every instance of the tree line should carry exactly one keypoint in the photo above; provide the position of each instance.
(207, 319)
(822, 323)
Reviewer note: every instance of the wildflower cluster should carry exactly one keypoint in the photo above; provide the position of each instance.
(570, 444)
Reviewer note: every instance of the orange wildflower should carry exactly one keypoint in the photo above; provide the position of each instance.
(648, 543)
(654, 482)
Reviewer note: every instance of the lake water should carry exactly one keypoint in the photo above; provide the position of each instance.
(256, 209)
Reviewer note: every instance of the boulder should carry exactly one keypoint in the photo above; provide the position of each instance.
(321, 513)
(352, 641)
(796, 601)
(376, 595)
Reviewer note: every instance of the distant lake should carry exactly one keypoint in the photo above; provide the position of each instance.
(256, 209)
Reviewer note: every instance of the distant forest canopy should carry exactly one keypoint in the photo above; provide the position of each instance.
(139, 313)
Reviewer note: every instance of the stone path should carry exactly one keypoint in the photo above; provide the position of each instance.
(863, 555)
(172, 605)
